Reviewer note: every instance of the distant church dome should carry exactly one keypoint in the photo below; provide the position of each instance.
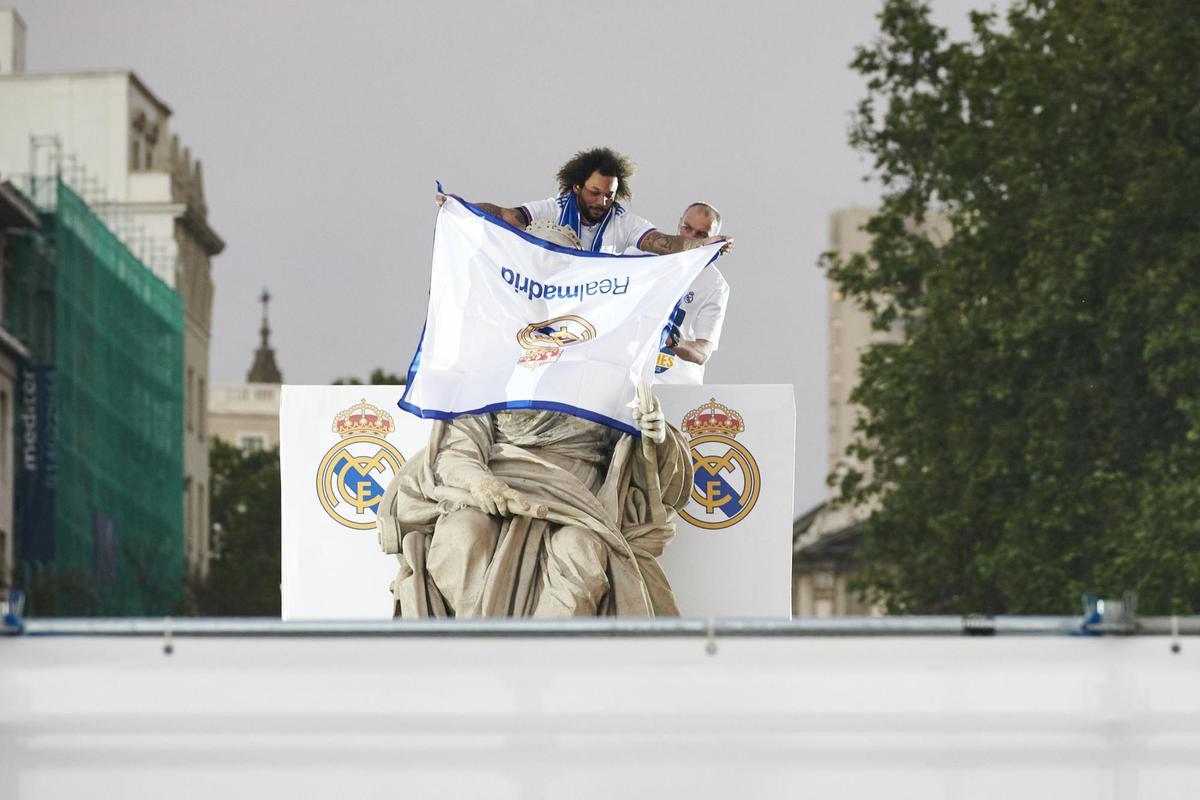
(264, 369)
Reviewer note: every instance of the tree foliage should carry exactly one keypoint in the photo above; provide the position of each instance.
(54, 591)
(378, 377)
(1037, 432)
(244, 574)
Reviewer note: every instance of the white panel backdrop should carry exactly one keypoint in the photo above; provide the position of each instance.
(720, 565)
(877, 718)
(333, 567)
(332, 570)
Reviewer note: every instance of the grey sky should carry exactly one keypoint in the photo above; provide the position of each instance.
(322, 127)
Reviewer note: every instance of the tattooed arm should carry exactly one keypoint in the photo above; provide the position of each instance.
(664, 243)
(513, 216)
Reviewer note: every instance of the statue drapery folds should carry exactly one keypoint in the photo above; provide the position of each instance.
(534, 513)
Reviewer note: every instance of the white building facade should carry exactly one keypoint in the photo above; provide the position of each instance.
(245, 414)
(825, 538)
(109, 137)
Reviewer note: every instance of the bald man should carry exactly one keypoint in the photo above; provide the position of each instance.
(695, 327)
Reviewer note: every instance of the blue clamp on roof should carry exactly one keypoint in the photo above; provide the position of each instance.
(12, 607)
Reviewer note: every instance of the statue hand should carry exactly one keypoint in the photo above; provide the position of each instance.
(497, 498)
(648, 415)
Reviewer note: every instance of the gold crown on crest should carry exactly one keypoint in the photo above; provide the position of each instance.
(713, 417)
(363, 418)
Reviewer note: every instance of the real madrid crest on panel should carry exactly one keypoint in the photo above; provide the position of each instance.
(544, 341)
(355, 472)
(725, 479)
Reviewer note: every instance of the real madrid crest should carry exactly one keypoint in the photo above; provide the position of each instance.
(725, 478)
(357, 470)
(543, 342)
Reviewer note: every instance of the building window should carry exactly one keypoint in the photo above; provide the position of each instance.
(5, 426)
(188, 534)
(201, 527)
(202, 409)
(252, 444)
(188, 400)
(5, 560)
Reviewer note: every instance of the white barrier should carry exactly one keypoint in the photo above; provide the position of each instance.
(341, 445)
(1070, 718)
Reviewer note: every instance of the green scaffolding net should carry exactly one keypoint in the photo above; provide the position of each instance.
(117, 398)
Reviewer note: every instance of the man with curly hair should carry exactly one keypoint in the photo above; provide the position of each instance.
(590, 185)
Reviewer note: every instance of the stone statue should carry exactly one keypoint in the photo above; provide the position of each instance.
(537, 513)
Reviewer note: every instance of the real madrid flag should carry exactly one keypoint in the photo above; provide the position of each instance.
(517, 322)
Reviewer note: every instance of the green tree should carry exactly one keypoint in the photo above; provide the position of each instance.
(377, 378)
(244, 574)
(1037, 432)
(55, 591)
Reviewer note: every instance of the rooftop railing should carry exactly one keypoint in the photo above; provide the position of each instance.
(617, 627)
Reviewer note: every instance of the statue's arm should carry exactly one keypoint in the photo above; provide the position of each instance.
(674, 468)
(462, 462)
(671, 452)
(462, 458)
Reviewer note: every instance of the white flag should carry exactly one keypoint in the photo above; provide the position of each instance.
(516, 322)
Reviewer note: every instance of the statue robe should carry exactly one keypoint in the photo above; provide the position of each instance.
(608, 497)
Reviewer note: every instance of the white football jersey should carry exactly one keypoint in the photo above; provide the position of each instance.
(699, 315)
(624, 231)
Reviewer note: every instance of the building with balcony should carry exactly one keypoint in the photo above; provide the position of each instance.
(109, 137)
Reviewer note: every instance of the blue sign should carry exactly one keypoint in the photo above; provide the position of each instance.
(37, 469)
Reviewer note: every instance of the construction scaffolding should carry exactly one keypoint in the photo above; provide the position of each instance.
(107, 343)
